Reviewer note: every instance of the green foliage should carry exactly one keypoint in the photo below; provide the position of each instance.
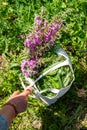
(16, 18)
(10, 82)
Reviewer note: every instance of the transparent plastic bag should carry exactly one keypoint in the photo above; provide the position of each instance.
(55, 89)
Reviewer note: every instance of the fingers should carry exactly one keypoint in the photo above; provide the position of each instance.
(16, 93)
(24, 93)
(27, 92)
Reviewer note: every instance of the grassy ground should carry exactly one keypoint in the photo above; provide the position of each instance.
(69, 112)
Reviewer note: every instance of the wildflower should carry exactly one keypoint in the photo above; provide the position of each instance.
(27, 43)
(38, 20)
(51, 43)
(32, 63)
(32, 46)
(23, 68)
(47, 36)
(39, 41)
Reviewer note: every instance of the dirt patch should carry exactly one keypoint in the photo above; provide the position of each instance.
(3, 62)
(82, 93)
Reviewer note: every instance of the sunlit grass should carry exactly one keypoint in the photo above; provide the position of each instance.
(16, 19)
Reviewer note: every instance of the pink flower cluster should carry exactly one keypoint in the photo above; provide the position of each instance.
(37, 42)
(28, 66)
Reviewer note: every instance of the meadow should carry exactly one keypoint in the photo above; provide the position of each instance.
(16, 18)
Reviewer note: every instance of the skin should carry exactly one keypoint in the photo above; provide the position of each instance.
(19, 100)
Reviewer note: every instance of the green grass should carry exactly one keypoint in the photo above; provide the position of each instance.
(69, 112)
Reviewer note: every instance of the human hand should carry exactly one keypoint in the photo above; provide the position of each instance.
(19, 100)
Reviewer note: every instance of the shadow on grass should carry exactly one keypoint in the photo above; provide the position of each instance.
(70, 111)
(66, 113)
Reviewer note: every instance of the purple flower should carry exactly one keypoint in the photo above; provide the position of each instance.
(27, 42)
(23, 68)
(25, 72)
(40, 53)
(51, 43)
(32, 46)
(31, 63)
(28, 64)
(40, 40)
(38, 20)
(35, 72)
(37, 40)
(45, 23)
(54, 28)
(47, 38)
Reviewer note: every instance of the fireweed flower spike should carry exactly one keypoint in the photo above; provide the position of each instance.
(40, 40)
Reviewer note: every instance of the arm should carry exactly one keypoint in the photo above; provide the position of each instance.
(8, 112)
(15, 105)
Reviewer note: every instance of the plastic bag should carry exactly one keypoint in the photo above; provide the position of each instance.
(55, 93)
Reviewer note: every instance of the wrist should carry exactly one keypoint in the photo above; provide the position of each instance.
(13, 106)
(8, 112)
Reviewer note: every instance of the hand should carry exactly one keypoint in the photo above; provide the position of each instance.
(19, 100)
